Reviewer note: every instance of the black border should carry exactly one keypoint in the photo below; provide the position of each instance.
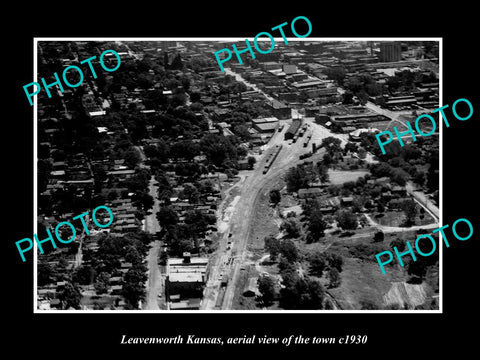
(100, 335)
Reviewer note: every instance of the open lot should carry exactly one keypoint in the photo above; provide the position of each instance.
(342, 176)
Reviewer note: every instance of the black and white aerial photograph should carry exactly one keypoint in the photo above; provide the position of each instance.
(259, 188)
(277, 180)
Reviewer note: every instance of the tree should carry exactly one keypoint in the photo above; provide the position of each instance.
(334, 278)
(45, 274)
(350, 146)
(275, 196)
(163, 258)
(132, 255)
(323, 172)
(134, 289)
(196, 223)
(291, 227)
(266, 287)
(272, 245)
(289, 251)
(336, 73)
(422, 213)
(84, 275)
(177, 63)
(335, 261)
(167, 216)
(313, 296)
(331, 144)
(242, 132)
(399, 244)
(102, 283)
(301, 293)
(186, 149)
(191, 193)
(347, 220)
(218, 148)
(347, 97)
(327, 159)
(419, 178)
(251, 162)
(316, 226)
(379, 236)
(399, 176)
(284, 266)
(132, 157)
(70, 296)
(296, 178)
(410, 209)
(143, 200)
(317, 262)
(380, 208)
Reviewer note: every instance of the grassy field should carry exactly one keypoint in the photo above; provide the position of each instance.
(398, 218)
(339, 176)
(362, 281)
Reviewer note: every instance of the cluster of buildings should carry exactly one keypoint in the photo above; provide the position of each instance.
(391, 196)
(300, 78)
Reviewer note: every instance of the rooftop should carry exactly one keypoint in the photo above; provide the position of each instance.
(185, 277)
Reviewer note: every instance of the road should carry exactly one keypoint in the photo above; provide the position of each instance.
(79, 254)
(395, 115)
(239, 78)
(396, 229)
(155, 283)
(155, 280)
(423, 200)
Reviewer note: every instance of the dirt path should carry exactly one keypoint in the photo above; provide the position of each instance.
(393, 229)
(423, 200)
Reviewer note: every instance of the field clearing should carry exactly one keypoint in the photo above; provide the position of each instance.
(398, 218)
(405, 295)
(380, 125)
(363, 282)
(338, 177)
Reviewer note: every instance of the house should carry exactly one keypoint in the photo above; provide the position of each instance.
(399, 190)
(116, 289)
(55, 304)
(347, 201)
(121, 174)
(293, 129)
(397, 203)
(279, 109)
(386, 195)
(309, 193)
(188, 304)
(252, 288)
(243, 164)
(265, 125)
(327, 210)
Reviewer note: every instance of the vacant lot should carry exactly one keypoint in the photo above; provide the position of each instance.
(339, 176)
(363, 285)
(398, 218)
